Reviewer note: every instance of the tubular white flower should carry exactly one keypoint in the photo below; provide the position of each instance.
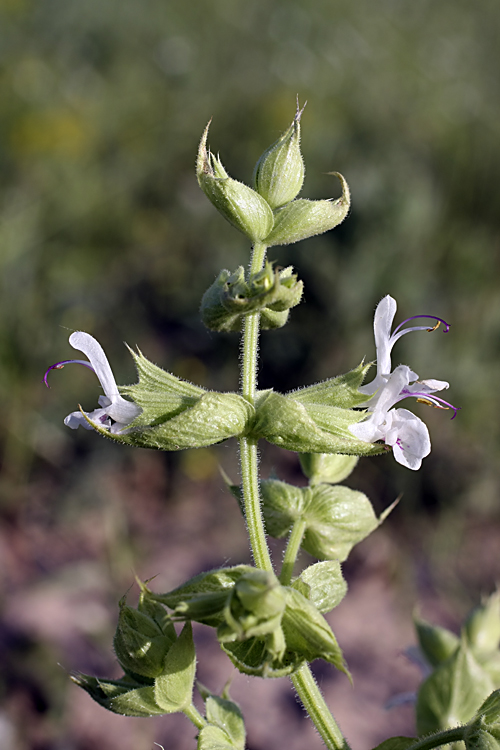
(384, 342)
(115, 413)
(407, 435)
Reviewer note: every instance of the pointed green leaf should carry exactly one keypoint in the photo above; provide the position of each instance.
(437, 643)
(226, 715)
(322, 584)
(330, 468)
(396, 743)
(123, 697)
(173, 689)
(214, 738)
(341, 391)
(452, 693)
(337, 518)
(308, 633)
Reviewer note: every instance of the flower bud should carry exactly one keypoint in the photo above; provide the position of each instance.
(279, 173)
(231, 297)
(304, 218)
(140, 644)
(240, 205)
(327, 467)
(254, 608)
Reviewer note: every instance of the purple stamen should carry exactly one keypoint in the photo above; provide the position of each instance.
(422, 328)
(430, 399)
(60, 365)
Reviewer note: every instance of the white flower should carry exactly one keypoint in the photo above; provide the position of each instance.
(384, 342)
(115, 413)
(405, 433)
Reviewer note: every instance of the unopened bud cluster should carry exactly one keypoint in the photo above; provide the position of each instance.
(271, 213)
(231, 297)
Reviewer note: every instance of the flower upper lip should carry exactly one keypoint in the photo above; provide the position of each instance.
(115, 412)
(407, 435)
(385, 340)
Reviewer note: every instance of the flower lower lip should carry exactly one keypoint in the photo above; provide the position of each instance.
(60, 365)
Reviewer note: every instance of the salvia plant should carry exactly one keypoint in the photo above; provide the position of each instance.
(269, 622)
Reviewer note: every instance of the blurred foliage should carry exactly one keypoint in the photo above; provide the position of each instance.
(103, 227)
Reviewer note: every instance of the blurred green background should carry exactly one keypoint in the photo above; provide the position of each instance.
(103, 228)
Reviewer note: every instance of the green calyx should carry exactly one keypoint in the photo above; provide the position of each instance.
(327, 467)
(335, 518)
(315, 419)
(231, 297)
(271, 213)
(169, 691)
(279, 173)
(240, 205)
(303, 218)
(143, 638)
(265, 628)
(177, 414)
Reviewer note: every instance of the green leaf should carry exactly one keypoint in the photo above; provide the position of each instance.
(282, 505)
(340, 391)
(140, 644)
(240, 205)
(173, 689)
(483, 732)
(482, 627)
(215, 738)
(204, 597)
(253, 657)
(308, 633)
(322, 584)
(226, 715)
(337, 518)
(303, 218)
(123, 696)
(396, 743)
(452, 693)
(329, 468)
(437, 643)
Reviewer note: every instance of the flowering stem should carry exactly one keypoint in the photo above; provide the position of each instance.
(292, 550)
(303, 680)
(248, 446)
(314, 703)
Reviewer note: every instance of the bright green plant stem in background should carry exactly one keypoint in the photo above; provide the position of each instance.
(303, 680)
(292, 550)
(314, 703)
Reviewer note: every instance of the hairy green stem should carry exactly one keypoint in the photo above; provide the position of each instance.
(303, 681)
(440, 738)
(248, 447)
(194, 716)
(292, 550)
(314, 703)
(253, 514)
